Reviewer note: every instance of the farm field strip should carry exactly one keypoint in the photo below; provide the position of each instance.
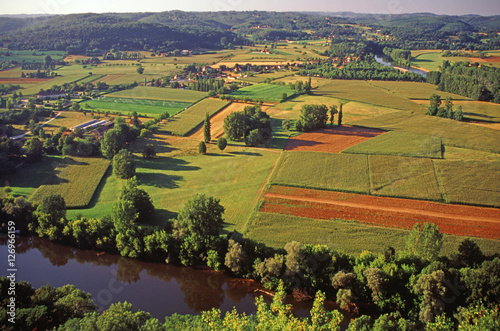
(331, 140)
(264, 92)
(160, 93)
(390, 212)
(475, 110)
(142, 106)
(414, 90)
(189, 119)
(75, 179)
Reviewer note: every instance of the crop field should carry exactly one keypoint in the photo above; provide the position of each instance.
(405, 177)
(327, 171)
(400, 143)
(470, 182)
(264, 92)
(453, 133)
(159, 93)
(31, 56)
(68, 119)
(331, 140)
(345, 236)
(141, 106)
(189, 119)
(458, 220)
(31, 89)
(262, 77)
(427, 60)
(362, 91)
(75, 179)
(235, 176)
(480, 110)
(90, 79)
(414, 90)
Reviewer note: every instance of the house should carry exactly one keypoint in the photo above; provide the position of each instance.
(51, 94)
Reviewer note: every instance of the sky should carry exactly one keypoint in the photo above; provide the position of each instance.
(448, 7)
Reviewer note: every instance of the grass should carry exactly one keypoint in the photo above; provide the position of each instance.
(480, 110)
(404, 177)
(142, 106)
(264, 92)
(235, 177)
(31, 89)
(453, 133)
(350, 237)
(428, 60)
(399, 143)
(259, 78)
(327, 171)
(75, 179)
(361, 91)
(189, 119)
(414, 90)
(28, 57)
(470, 182)
(158, 93)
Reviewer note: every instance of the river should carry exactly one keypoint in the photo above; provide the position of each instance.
(383, 61)
(157, 288)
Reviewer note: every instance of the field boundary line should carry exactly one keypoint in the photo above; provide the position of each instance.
(441, 187)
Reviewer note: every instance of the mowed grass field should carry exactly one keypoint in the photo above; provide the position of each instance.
(259, 78)
(405, 177)
(400, 143)
(141, 106)
(189, 119)
(235, 177)
(75, 179)
(470, 182)
(453, 133)
(427, 60)
(327, 171)
(415, 90)
(160, 93)
(362, 91)
(349, 237)
(264, 92)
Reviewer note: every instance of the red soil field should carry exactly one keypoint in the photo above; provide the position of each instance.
(379, 211)
(331, 140)
(23, 80)
(489, 59)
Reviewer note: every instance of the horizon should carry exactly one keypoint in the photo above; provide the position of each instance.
(384, 7)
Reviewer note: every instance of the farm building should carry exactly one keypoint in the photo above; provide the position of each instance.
(51, 94)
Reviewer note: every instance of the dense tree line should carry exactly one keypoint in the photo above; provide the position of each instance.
(359, 70)
(8, 88)
(208, 84)
(470, 80)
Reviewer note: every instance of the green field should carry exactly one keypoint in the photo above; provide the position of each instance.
(75, 179)
(327, 171)
(259, 78)
(453, 133)
(480, 110)
(276, 230)
(159, 93)
(141, 106)
(234, 177)
(400, 143)
(189, 119)
(357, 90)
(414, 90)
(405, 177)
(264, 92)
(429, 61)
(470, 182)
(31, 56)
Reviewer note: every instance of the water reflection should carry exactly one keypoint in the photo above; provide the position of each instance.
(383, 61)
(157, 288)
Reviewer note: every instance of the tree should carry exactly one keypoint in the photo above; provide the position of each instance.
(340, 116)
(50, 213)
(459, 114)
(235, 257)
(140, 69)
(235, 125)
(425, 243)
(34, 150)
(469, 253)
(221, 143)
(140, 200)
(206, 129)
(112, 142)
(149, 152)
(434, 104)
(313, 117)
(202, 148)
(124, 164)
(284, 97)
(333, 111)
(75, 106)
(431, 289)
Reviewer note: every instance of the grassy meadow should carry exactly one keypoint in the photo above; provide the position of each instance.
(159, 93)
(190, 118)
(414, 90)
(264, 92)
(75, 179)
(141, 106)
(349, 237)
(328, 171)
(400, 143)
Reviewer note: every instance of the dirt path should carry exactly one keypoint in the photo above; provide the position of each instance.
(414, 212)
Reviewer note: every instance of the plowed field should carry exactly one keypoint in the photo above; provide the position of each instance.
(331, 140)
(388, 212)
